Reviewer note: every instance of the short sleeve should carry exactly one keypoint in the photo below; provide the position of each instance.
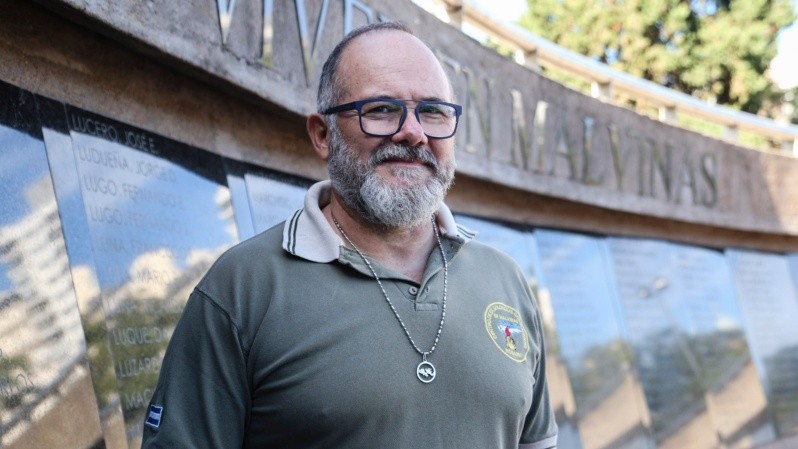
(202, 396)
(540, 427)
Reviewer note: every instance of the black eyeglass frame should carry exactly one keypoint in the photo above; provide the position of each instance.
(358, 105)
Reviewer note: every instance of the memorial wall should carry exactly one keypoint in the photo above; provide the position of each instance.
(138, 141)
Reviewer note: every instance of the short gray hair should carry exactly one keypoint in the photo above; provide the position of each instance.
(330, 91)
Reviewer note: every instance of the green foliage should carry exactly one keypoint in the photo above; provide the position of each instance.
(500, 48)
(702, 126)
(716, 50)
(133, 375)
(101, 361)
(791, 101)
(567, 79)
(15, 382)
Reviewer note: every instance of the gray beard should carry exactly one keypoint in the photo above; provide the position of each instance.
(380, 203)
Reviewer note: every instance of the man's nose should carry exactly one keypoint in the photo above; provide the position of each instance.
(411, 132)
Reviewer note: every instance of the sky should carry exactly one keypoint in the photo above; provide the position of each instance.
(784, 68)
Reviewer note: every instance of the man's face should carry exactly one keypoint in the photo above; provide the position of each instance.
(398, 180)
(381, 200)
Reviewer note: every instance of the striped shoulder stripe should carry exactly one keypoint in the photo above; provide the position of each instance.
(292, 231)
(466, 232)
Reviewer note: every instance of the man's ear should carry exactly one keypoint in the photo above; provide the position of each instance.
(319, 134)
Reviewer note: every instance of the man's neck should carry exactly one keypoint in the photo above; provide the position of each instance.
(403, 249)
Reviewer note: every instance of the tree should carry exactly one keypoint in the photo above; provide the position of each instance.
(791, 103)
(717, 50)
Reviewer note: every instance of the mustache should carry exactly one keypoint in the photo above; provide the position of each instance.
(403, 152)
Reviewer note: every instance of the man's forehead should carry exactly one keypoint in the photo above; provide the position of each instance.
(389, 44)
(383, 54)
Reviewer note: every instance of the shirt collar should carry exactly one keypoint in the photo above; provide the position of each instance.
(308, 234)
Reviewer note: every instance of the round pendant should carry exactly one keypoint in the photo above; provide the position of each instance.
(425, 372)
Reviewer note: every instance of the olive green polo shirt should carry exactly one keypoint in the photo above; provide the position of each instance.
(288, 342)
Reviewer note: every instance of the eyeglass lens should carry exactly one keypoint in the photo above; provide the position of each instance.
(383, 118)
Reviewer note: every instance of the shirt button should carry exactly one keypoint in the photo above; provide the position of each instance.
(413, 291)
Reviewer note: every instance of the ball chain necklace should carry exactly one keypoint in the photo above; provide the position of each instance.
(425, 371)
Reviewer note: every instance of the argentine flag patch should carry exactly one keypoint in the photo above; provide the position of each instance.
(154, 416)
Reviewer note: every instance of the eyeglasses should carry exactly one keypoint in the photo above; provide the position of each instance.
(383, 117)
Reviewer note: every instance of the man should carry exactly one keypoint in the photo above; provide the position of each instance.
(369, 319)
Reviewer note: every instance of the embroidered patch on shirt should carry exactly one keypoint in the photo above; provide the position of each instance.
(505, 328)
(154, 416)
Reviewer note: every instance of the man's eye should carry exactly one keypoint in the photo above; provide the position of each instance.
(431, 110)
(381, 108)
(437, 110)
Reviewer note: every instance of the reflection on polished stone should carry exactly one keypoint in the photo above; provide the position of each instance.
(792, 261)
(158, 214)
(769, 302)
(610, 410)
(262, 198)
(273, 200)
(666, 363)
(44, 374)
(712, 322)
(76, 233)
(235, 171)
(690, 350)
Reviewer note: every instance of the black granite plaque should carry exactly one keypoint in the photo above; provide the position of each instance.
(792, 261)
(81, 259)
(263, 198)
(273, 199)
(669, 367)
(235, 171)
(158, 214)
(711, 320)
(769, 304)
(510, 239)
(46, 397)
(573, 269)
